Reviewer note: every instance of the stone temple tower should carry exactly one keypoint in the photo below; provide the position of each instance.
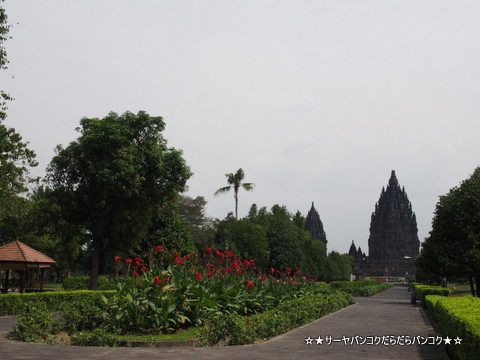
(314, 226)
(393, 243)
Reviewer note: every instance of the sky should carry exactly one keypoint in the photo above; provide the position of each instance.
(316, 100)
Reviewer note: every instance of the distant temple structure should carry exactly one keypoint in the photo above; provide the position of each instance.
(393, 244)
(314, 226)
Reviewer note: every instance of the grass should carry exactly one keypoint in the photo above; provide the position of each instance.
(52, 286)
(459, 290)
(188, 334)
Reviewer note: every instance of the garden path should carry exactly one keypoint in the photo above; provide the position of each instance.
(387, 313)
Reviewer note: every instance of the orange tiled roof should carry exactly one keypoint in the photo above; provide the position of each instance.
(19, 252)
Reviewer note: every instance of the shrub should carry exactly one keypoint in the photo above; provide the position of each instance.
(459, 317)
(423, 290)
(233, 329)
(82, 315)
(35, 323)
(13, 304)
(97, 337)
(81, 283)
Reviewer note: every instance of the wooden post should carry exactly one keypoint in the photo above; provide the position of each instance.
(6, 285)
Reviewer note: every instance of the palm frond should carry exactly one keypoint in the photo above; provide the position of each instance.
(222, 190)
(248, 186)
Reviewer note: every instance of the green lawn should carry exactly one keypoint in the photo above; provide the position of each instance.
(52, 286)
(459, 290)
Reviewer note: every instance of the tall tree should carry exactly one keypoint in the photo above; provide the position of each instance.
(114, 179)
(453, 246)
(16, 158)
(235, 182)
(4, 29)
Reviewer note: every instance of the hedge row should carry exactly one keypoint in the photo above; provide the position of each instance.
(82, 282)
(458, 317)
(13, 304)
(423, 290)
(236, 330)
(360, 287)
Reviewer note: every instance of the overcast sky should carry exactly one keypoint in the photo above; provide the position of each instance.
(315, 100)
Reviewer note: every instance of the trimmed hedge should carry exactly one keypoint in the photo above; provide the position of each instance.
(458, 317)
(234, 329)
(13, 304)
(82, 282)
(423, 290)
(361, 287)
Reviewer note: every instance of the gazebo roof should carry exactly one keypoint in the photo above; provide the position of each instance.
(19, 252)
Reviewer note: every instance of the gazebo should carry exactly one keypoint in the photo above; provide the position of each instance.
(28, 262)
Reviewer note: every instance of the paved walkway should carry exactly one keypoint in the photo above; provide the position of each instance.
(388, 313)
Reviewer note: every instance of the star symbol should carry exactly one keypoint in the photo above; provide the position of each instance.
(319, 340)
(447, 340)
(457, 341)
(309, 341)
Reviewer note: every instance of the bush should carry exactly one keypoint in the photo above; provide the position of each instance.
(233, 329)
(82, 315)
(35, 323)
(458, 317)
(97, 337)
(13, 304)
(81, 283)
(423, 290)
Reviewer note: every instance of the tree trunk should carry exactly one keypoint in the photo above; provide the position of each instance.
(95, 261)
(472, 288)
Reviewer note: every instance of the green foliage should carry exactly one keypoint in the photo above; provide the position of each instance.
(233, 329)
(453, 247)
(35, 322)
(13, 304)
(423, 290)
(81, 283)
(81, 315)
(97, 337)
(235, 182)
(115, 179)
(458, 317)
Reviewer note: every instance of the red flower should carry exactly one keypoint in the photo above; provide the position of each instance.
(227, 270)
(138, 263)
(249, 284)
(198, 276)
(178, 260)
(137, 259)
(158, 248)
(143, 269)
(136, 274)
(238, 272)
(209, 274)
(128, 261)
(168, 279)
(208, 250)
(157, 280)
(117, 259)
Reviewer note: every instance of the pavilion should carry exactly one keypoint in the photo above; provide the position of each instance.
(29, 263)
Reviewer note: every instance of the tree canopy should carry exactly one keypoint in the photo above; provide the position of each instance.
(115, 178)
(453, 246)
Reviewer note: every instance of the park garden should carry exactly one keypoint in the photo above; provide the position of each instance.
(216, 298)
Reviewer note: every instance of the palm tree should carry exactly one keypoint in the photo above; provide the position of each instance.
(235, 182)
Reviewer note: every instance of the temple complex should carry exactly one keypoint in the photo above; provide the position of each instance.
(314, 226)
(393, 244)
